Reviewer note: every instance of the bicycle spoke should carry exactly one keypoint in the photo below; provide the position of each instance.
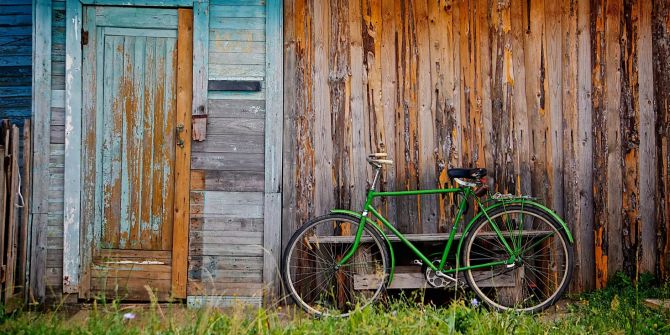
(538, 274)
(318, 284)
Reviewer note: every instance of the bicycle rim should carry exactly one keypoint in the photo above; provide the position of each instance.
(539, 274)
(313, 278)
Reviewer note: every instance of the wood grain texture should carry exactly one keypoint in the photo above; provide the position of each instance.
(273, 148)
(548, 96)
(41, 149)
(73, 142)
(180, 249)
(200, 68)
(661, 67)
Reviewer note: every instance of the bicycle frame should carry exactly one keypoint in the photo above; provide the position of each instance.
(467, 195)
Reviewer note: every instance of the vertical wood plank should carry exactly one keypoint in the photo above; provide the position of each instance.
(26, 183)
(91, 132)
(648, 157)
(200, 68)
(571, 179)
(600, 141)
(611, 256)
(183, 154)
(426, 139)
(291, 90)
(584, 234)
(358, 104)
(273, 147)
(661, 52)
(72, 190)
(522, 133)
(553, 87)
(168, 153)
(323, 149)
(340, 109)
(388, 99)
(41, 102)
(11, 226)
(629, 114)
(148, 149)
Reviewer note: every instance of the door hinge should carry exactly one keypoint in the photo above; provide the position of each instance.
(84, 37)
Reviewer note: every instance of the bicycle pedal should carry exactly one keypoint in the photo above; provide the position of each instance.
(417, 262)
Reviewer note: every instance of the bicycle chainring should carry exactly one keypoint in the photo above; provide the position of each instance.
(435, 280)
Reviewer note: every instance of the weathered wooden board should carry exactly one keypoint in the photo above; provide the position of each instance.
(231, 181)
(231, 204)
(41, 149)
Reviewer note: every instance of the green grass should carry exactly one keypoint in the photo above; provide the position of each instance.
(615, 310)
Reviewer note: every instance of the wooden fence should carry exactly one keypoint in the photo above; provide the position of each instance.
(14, 214)
(565, 100)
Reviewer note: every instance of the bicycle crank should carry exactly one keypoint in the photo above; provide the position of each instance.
(438, 279)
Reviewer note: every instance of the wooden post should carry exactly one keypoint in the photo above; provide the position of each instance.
(183, 154)
(273, 147)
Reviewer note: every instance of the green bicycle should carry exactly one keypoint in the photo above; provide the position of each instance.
(515, 253)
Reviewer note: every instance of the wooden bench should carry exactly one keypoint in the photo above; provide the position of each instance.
(419, 237)
(411, 277)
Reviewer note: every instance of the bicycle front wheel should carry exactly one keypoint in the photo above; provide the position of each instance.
(312, 275)
(543, 259)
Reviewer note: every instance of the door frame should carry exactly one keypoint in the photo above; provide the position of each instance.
(78, 238)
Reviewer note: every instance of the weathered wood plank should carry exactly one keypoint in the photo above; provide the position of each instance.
(201, 62)
(585, 278)
(185, 83)
(26, 184)
(223, 223)
(40, 175)
(251, 144)
(661, 48)
(227, 161)
(231, 181)
(414, 280)
(230, 204)
(647, 158)
(236, 126)
(73, 105)
(252, 109)
(129, 17)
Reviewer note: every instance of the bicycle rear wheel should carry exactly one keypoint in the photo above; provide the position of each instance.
(314, 280)
(543, 266)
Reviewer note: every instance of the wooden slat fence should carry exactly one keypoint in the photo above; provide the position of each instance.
(565, 100)
(14, 216)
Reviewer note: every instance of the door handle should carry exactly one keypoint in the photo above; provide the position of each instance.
(180, 141)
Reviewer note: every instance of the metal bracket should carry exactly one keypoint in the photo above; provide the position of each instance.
(180, 141)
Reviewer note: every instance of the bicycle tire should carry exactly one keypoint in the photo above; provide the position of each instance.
(288, 260)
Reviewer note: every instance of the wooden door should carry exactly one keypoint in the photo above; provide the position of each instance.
(130, 59)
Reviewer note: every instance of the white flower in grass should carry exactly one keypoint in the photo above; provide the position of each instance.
(128, 316)
(474, 302)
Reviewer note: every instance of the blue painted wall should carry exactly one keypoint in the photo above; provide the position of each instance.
(15, 59)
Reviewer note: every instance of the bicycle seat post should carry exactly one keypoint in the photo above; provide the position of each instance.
(378, 170)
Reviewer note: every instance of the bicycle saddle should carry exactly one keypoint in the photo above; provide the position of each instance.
(475, 173)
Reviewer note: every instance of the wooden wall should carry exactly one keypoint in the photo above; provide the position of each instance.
(227, 176)
(54, 259)
(565, 100)
(15, 59)
(227, 169)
